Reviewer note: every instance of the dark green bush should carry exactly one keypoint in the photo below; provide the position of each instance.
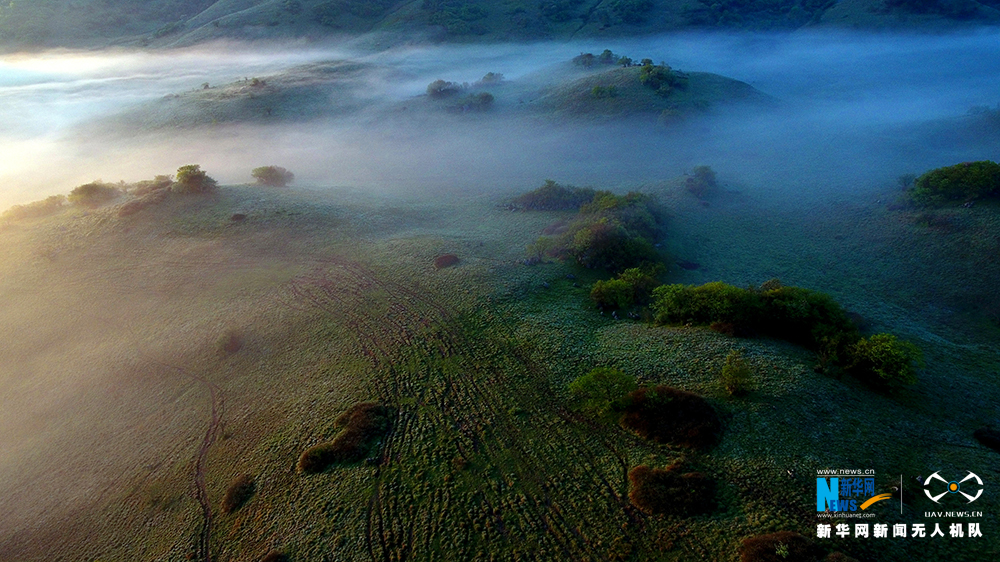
(962, 182)
(668, 415)
(706, 304)
(601, 392)
(442, 89)
(671, 490)
(554, 197)
(482, 101)
(798, 315)
(93, 194)
(611, 232)
(660, 78)
(885, 360)
(702, 182)
(239, 491)
(632, 286)
(736, 375)
(360, 426)
(274, 176)
(192, 179)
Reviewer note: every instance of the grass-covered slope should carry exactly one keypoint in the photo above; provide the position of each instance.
(619, 92)
(78, 23)
(130, 414)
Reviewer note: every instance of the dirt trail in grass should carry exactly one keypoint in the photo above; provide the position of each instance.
(464, 380)
(202, 547)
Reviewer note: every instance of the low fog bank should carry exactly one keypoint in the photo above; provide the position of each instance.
(856, 110)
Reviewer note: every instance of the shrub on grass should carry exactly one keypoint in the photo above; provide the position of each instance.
(671, 416)
(93, 194)
(446, 260)
(158, 182)
(274, 176)
(192, 179)
(229, 342)
(671, 490)
(702, 182)
(783, 546)
(239, 491)
(632, 286)
(962, 182)
(736, 375)
(552, 196)
(360, 426)
(602, 391)
(48, 206)
(885, 360)
(798, 315)
(439, 89)
(482, 101)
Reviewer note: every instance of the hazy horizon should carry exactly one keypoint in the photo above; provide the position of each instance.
(853, 107)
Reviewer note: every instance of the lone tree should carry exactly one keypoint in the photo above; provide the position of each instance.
(192, 179)
(275, 176)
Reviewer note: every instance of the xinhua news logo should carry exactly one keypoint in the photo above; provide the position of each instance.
(847, 492)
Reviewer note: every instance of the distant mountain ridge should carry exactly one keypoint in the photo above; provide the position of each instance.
(95, 23)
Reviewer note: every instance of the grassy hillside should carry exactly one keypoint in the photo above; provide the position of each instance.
(160, 356)
(100, 22)
(619, 92)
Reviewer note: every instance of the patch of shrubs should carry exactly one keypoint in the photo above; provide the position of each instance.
(360, 426)
(660, 78)
(601, 92)
(149, 186)
(482, 101)
(602, 392)
(798, 315)
(963, 182)
(93, 194)
(239, 491)
(48, 206)
(274, 176)
(795, 314)
(632, 287)
(611, 232)
(672, 490)
(606, 58)
(440, 89)
(671, 416)
(554, 197)
(192, 179)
